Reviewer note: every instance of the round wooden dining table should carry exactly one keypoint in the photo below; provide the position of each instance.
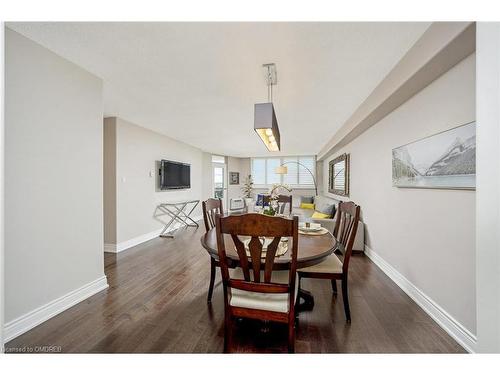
(312, 249)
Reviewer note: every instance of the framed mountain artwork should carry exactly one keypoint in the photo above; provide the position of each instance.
(445, 160)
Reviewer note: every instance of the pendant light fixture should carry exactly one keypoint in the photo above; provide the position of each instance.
(265, 123)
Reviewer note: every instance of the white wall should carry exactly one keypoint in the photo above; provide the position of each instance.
(109, 176)
(2, 179)
(207, 176)
(427, 235)
(488, 187)
(241, 165)
(53, 178)
(137, 194)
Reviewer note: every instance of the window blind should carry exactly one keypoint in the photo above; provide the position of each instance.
(292, 178)
(271, 176)
(264, 171)
(259, 171)
(304, 176)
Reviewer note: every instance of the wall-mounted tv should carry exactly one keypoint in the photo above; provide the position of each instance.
(174, 175)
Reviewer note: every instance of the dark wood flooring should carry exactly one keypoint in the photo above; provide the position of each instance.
(156, 303)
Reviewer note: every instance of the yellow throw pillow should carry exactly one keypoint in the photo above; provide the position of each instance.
(320, 215)
(307, 205)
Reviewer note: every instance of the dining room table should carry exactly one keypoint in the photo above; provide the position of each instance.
(312, 249)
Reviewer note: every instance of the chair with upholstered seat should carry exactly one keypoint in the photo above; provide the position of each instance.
(285, 200)
(211, 207)
(255, 290)
(332, 267)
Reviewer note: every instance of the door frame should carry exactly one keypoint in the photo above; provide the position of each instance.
(225, 200)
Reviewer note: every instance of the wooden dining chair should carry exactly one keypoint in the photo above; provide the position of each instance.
(254, 290)
(284, 199)
(211, 207)
(332, 267)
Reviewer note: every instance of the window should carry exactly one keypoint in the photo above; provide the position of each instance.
(292, 177)
(259, 171)
(271, 176)
(264, 171)
(304, 176)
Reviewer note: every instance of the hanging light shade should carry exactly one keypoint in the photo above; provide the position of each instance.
(266, 125)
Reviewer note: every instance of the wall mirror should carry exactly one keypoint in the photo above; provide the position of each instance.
(338, 181)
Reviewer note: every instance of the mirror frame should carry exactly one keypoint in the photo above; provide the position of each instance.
(331, 178)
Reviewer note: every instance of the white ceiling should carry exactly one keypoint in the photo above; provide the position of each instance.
(198, 82)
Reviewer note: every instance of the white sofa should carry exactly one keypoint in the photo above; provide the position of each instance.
(323, 204)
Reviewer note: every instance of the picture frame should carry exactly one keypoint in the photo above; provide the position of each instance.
(338, 175)
(445, 160)
(234, 178)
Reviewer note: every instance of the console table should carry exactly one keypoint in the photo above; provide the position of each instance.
(178, 212)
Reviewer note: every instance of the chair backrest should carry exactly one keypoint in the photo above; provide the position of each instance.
(211, 207)
(281, 199)
(255, 226)
(285, 199)
(345, 229)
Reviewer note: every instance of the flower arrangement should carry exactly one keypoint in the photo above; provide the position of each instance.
(273, 198)
(274, 192)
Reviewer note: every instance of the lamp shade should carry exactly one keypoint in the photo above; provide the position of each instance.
(266, 125)
(281, 170)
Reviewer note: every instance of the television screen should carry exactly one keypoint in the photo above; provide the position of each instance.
(174, 175)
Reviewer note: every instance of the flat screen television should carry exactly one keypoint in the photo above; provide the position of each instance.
(174, 175)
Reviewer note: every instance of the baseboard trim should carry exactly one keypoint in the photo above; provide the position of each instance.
(110, 248)
(116, 248)
(43, 313)
(457, 331)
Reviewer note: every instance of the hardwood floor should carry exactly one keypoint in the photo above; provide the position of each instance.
(157, 303)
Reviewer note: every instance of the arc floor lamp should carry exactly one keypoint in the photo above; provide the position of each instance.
(283, 169)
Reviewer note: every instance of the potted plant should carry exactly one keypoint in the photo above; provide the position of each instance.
(248, 190)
